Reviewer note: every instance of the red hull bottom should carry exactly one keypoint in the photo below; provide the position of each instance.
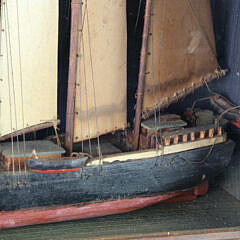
(43, 215)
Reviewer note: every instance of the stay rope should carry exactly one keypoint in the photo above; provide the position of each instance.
(81, 48)
(13, 87)
(21, 86)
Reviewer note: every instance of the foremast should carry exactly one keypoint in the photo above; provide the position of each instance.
(75, 11)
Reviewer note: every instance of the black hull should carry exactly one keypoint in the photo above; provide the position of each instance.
(119, 180)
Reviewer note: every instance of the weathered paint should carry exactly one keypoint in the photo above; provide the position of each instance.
(72, 212)
(113, 181)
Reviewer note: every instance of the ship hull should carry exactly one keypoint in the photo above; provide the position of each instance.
(116, 181)
(34, 216)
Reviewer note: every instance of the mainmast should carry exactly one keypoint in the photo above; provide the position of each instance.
(141, 76)
(75, 9)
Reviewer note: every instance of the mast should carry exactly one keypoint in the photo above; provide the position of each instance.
(141, 76)
(75, 8)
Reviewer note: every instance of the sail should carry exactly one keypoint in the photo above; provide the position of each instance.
(100, 95)
(28, 64)
(181, 51)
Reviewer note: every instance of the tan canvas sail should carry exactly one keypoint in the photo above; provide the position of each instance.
(181, 51)
(101, 69)
(28, 64)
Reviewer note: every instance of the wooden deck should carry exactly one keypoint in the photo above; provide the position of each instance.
(214, 216)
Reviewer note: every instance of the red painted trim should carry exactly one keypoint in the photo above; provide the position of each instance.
(201, 189)
(181, 198)
(236, 124)
(191, 194)
(33, 216)
(49, 171)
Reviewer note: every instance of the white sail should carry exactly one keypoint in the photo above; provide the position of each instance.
(100, 101)
(28, 64)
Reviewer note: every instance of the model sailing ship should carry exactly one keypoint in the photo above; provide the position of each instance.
(162, 158)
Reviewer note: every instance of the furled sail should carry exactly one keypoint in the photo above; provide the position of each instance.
(100, 96)
(181, 51)
(28, 64)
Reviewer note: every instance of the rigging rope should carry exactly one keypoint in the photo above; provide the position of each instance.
(56, 133)
(217, 120)
(204, 159)
(94, 89)
(159, 57)
(21, 84)
(9, 92)
(81, 48)
(13, 87)
(86, 93)
(154, 82)
(82, 21)
(215, 141)
(159, 65)
(138, 13)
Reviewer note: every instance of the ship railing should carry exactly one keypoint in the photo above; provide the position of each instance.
(192, 134)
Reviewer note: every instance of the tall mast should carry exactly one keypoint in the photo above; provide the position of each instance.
(75, 9)
(141, 76)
